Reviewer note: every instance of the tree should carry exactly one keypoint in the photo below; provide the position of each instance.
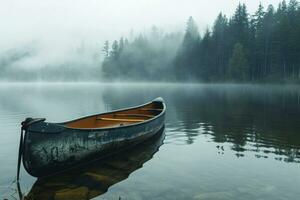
(238, 64)
(186, 61)
(191, 37)
(105, 49)
(293, 37)
(206, 69)
(282, 32)
(155, 33)
(258, 44)
(220, 45)
(258, 20)
(266, 36)
(239, 25)
(191, 34)
(115, 50)
(126, 43)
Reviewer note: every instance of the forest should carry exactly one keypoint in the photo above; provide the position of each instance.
(259, 47)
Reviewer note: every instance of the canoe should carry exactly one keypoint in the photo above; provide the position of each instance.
(93, 180)
(48, 148)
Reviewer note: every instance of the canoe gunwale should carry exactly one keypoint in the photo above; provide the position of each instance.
(61, 124)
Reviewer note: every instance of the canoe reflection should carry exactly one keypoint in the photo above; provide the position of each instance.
(95, 179)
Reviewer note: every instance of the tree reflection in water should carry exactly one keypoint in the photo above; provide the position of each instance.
(252, 119)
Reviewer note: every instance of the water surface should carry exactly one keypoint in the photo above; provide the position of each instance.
(220, 142)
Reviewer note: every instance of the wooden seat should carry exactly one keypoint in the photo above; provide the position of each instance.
(121, 120)
(134, 115)
(151, 109)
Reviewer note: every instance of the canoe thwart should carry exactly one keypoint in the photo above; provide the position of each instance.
(151, 109)
(134, 115)
(120, 120)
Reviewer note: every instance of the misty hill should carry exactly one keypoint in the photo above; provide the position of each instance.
(10, 57)
(24, 63)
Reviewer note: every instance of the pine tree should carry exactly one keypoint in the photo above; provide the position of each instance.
(114, 50)
(186, 61)
(121, 45)
(258, 50)
(238, 64)
(293, 45)
(191, 34)
(105, 49)
(258, 20)
(281, 32)
(126, 43)
(239, 25)
(268, 37)
(220, 45)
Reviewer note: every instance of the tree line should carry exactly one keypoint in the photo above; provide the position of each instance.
(264, 46)
(145, 57)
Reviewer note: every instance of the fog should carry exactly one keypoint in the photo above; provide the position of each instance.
(37, 34)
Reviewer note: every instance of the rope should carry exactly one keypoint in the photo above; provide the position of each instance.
(20, 152)
(25, 124)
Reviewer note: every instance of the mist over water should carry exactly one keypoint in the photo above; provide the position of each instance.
(229, 141)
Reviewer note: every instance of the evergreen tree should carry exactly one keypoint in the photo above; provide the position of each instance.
(281, 32)
(268, 40)
(258, 20)
(115, 50)
(263, 47)
(121, 45)
(191, 35)
(126, 43)
(206, 70)
(105, 49)
(239, 25)
(238, 64)
(258, 50)
(220, 45)
(293, 41)
(186, 61)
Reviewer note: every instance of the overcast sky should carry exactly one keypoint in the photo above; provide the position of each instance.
(63, 23)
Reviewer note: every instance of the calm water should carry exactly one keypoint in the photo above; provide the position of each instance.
(220, 142)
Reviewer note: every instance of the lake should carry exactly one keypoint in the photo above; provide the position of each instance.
(220, 142)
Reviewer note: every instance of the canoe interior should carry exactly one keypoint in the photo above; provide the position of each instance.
(119, 118)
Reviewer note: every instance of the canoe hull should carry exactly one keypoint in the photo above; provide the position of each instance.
(50, 148)
(99, 176)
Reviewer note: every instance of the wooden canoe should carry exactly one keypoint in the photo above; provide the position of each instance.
(49, 148)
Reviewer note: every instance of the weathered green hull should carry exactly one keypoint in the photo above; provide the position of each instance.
(93, 180)
(51, 148)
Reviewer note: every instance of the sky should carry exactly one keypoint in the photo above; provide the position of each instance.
(57, 25)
